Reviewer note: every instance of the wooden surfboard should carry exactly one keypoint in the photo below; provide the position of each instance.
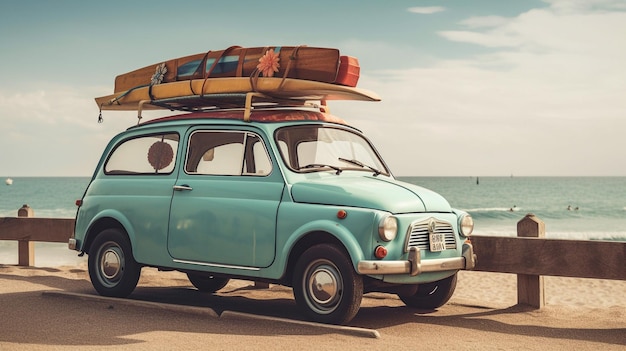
(300, 62)
(198, 93)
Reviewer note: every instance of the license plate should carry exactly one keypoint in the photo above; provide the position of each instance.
(437, 242)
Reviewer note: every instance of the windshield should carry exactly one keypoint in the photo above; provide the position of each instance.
(314, 148)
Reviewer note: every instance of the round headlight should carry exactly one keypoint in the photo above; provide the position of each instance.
(466, 225)
(388, 228)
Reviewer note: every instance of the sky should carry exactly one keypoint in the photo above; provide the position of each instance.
(468, 88)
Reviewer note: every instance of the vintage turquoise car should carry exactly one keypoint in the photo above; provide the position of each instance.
(293, 196)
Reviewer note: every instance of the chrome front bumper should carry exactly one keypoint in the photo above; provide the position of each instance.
(414, 265)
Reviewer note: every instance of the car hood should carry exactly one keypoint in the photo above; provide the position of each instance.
(379, 193)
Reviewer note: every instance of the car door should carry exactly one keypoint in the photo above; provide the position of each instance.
(225, 202)
(136, 188)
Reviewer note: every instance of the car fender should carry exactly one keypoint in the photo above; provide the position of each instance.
(114, 215)
(338, 231)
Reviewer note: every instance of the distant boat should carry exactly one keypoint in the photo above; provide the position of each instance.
(8, 181)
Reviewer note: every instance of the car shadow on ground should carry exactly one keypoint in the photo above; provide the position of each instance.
(379, 311)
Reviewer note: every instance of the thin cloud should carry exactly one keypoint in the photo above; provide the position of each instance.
(490, 40)
(428, 10)
(580, 6)
(547, 30)
(546, 99)
(485, 21)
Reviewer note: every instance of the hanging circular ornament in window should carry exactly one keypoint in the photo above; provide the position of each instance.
(160, 155)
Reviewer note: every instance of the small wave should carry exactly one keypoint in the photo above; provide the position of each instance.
(587, 235)
(493, 209)
(495, 213)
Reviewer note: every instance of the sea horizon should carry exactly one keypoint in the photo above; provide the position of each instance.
(572, 207)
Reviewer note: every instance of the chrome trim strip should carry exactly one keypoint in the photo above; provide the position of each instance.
(217, 265)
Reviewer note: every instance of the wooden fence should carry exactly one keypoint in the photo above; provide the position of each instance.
(529, 255)
(27, 229)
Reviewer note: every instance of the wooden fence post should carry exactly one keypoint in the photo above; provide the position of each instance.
(530, 289)
(25, 248)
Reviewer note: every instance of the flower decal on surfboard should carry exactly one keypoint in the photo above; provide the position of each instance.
(158, 76)
(268, 63)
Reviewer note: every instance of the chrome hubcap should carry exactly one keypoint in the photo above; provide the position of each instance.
(110, 264)
(323, 286)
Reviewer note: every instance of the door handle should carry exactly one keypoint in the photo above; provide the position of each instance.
(182, 187)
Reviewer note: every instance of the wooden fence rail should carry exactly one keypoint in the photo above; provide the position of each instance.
(563, 258)
(529, 255)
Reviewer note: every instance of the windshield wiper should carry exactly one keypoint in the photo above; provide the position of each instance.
(321, 165)
(361, 164)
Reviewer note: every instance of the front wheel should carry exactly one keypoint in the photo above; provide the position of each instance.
(112, 268)
(325, 285)
(431, 295)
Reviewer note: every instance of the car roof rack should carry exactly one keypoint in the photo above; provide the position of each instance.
(212, 102)
(228, 93)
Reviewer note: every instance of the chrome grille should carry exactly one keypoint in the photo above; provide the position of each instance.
(418, 234)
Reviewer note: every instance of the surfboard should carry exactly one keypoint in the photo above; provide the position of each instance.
(197, 94)
(300, 62)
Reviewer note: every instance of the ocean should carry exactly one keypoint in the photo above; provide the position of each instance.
(49, 197)
(581, 208)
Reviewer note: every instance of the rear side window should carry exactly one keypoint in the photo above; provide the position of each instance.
(227, 153)
(151, 154)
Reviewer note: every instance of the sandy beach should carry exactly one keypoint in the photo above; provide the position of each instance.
(581, 314)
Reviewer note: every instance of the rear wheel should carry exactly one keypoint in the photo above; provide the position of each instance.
(112, 269)
(431, 295)
(325, 285)
(206, 282)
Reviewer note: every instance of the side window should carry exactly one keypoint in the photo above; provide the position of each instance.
(151, 154)
(227, 153)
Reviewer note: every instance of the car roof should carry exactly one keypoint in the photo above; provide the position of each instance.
(263, 116)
